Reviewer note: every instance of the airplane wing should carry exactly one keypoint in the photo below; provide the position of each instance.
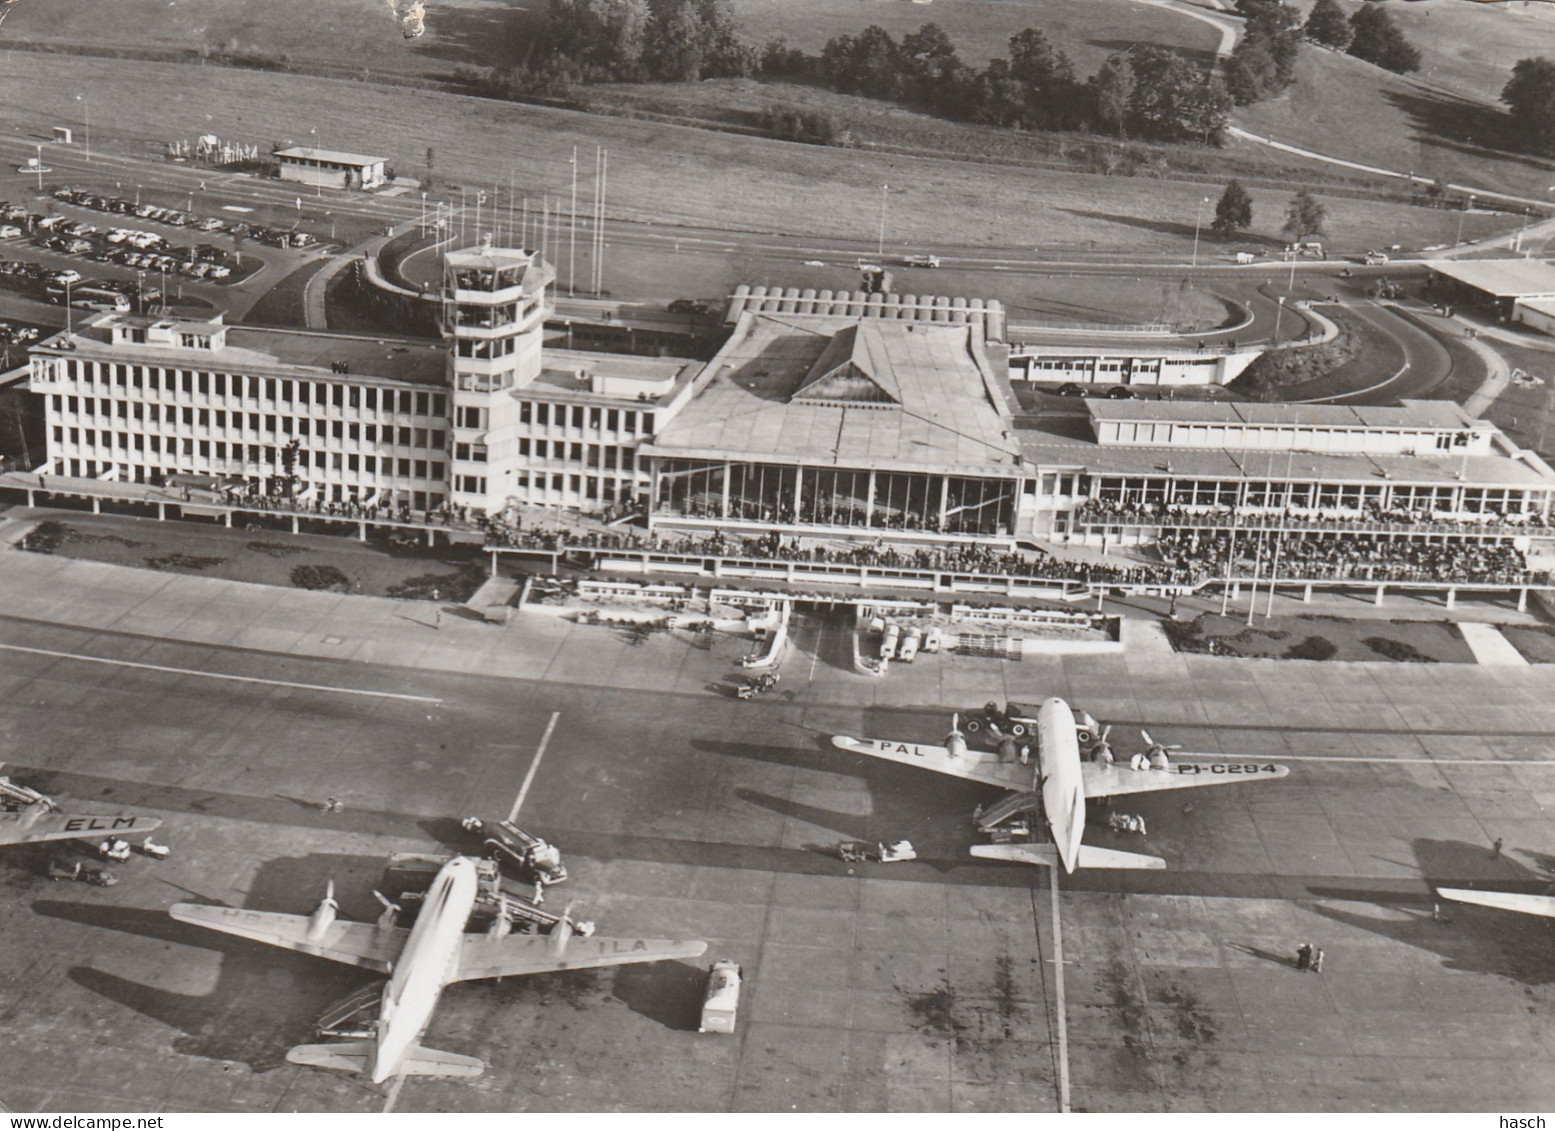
(355, 944)
(974, 765)
(1110, 781)
(1503, 900)
(484, 957)
(26, 828)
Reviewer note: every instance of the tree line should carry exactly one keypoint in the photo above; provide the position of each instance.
(1147, 92)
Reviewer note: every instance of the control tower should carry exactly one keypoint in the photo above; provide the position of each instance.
(493, 320)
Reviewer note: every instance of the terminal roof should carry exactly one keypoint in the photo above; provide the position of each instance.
(331, 156)
(1410, 415)
(273, 352)
(1050, 449)
(1504, 278)
(872, 394)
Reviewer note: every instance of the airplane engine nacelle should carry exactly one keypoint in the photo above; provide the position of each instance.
(1010, 750)
(1101, 754)
(955, 744)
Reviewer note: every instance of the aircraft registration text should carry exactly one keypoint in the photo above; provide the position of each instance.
(1226, 768)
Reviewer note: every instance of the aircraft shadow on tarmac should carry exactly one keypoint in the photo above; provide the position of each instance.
(265, 999)
(1471, 938)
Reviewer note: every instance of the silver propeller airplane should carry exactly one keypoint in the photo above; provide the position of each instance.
(420, 962)
(27, 816)
(1060, 782)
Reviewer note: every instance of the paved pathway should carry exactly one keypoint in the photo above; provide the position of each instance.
(1489, 646)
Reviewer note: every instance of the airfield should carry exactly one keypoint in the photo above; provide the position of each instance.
(232, 711)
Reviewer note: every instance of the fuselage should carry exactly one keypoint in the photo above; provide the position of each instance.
(1059, 780)
(425, 966)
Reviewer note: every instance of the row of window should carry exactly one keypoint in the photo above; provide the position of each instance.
(267, 424)
(560, 487)
(609, 456)
(610, 419)
(258, 454)
(279, 391)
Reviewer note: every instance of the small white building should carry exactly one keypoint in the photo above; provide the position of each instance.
(330, 168)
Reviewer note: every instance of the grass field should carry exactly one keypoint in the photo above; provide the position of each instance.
(1309, 637)
(1469, 47)
(361, 35)
(981, 29)
(1349, 109)
(670, 173)
(266, 557)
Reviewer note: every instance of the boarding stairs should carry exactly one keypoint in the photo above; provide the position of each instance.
(355, 1016)
(1011, 806)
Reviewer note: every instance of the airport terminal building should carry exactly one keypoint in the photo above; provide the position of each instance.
(850, 430)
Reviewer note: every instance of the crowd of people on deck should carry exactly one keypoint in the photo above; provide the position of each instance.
(1098, 512)
(1343, 557)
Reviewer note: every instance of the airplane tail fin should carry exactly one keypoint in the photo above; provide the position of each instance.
(1047, 856)
(422, 1061)
(347, 1056)
(355, 1056)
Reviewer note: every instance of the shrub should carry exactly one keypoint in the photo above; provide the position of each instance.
(319, 577)
(1399, 650)
(183, 561)
(1312, 648)
(47, 537)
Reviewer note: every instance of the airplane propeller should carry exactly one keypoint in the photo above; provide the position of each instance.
(502, 924)
(562, 932)
(1101, 750)
(955, 741)
(390, 913)
(323, 915)
(1157, 752)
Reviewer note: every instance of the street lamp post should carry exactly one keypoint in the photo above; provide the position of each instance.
(880, 245)
(572, 226)
(86, 109)
(1463, 216)
(1198, 219)
(1278, 315)
(423, 213)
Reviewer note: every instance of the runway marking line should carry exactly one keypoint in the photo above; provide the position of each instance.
(394, 1093)
(220, 675)
(523, 790)
(1383, 760)
(1058, 994)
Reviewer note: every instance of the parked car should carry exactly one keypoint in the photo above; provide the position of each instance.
(9, 232)
(922, 261)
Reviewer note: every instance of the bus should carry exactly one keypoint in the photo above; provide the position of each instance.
(91, 298)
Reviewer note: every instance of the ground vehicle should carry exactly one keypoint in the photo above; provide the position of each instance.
(922, 261)
(90, 298)
(1120, 393)
(1307, 249)
(910, 644)
(1070, 389)
(9, 231)
(933, 639)
(888, 642)
(722, 1002)
(532, 857)
(1376, 258)
(1246, 257)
